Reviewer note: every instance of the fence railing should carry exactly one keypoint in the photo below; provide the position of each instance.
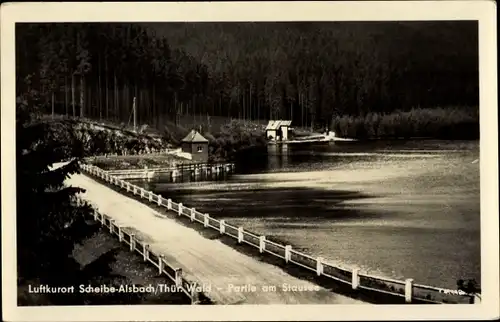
(136, 245)
(215, 167)
(150, 152)
(406, 289)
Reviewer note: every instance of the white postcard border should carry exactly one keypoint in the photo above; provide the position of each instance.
(482, 11)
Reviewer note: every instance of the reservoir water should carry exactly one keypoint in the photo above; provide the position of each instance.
(402, 209)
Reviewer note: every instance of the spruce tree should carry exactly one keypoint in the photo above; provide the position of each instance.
(48, 223)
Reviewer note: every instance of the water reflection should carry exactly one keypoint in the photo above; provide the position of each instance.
(279, 156)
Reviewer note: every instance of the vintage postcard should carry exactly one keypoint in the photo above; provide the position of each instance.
(249, 161)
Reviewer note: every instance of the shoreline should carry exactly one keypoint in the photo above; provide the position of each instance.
(416, 138)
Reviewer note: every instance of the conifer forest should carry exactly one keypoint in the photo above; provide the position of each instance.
(362, 79)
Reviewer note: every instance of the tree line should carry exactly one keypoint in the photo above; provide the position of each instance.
(312, 73)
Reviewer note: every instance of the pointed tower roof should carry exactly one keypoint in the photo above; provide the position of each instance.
(194, 137)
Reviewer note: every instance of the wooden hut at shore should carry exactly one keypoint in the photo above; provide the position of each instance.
(195, 144)
(278, 130)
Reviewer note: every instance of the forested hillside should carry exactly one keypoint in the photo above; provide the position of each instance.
(347, 75)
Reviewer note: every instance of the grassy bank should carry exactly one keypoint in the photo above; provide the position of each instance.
(437, 123)
(90, 137)
(98, 259)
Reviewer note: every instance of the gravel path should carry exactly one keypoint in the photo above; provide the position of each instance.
(228, 276)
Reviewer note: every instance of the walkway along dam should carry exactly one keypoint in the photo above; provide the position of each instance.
(222, 273)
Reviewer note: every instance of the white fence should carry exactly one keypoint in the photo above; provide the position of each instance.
(151, 152)
(136, 245)
(354, 278)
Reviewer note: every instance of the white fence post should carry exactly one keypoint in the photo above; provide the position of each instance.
(96, 214)
(145, 251)
(319, 266)
(355, 278)
(160, 264)
(150, 196)
(193, 213)
(288, 255)
(222, 227)
(120, 235)
(132, 242)
(128, 187)
(142, 192)
(178, 277)
(194, 293)
(111, 223)
(169, 204)
(262, 243)
(408, 290)
(240, 235)
(159, 200)
(205, 220)
(179, 211)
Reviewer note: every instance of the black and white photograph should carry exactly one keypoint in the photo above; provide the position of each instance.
(200, 160)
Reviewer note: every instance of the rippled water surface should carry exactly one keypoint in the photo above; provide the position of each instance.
(400, 209)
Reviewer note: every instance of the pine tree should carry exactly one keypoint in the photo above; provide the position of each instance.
(46, 218)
